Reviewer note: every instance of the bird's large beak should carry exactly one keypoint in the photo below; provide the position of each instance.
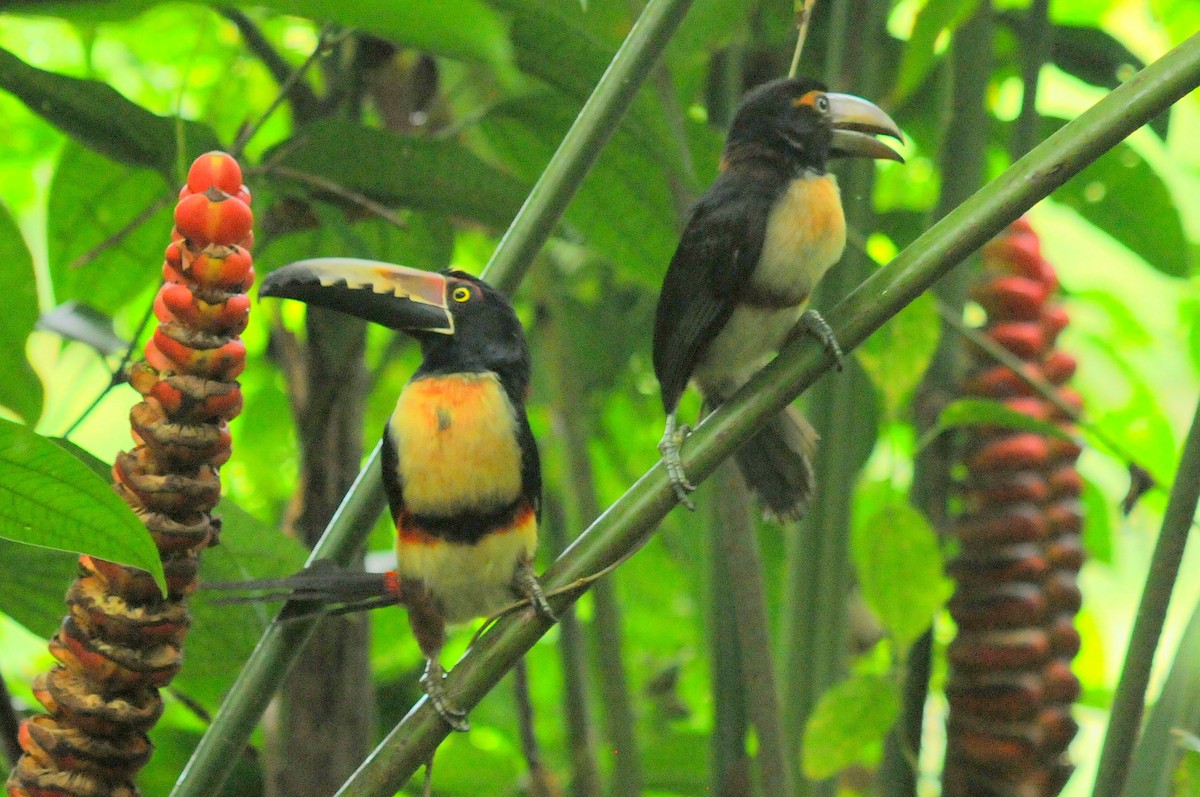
(856, 122)
(398, 297)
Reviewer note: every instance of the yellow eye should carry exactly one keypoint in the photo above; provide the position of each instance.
(461, 294)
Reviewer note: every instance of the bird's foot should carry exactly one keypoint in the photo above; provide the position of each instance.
(818, 328)
(672, 439)
(531, 588)
(431, 682)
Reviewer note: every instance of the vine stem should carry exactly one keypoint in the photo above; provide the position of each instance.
(1129, 702)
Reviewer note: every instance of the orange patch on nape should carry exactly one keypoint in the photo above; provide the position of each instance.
(808, 98)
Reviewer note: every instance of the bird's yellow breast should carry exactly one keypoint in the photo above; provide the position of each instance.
(806, 234)
(456, 444)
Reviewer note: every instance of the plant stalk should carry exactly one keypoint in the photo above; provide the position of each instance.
(1129, 700)
(630, 521)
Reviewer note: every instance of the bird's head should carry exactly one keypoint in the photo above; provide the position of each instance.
(462, 323)
(795, 120)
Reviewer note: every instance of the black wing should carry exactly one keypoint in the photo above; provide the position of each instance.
(531, 466)
(716, 256)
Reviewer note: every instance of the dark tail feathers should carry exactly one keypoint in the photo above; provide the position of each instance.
(333, 589)
(777, 464)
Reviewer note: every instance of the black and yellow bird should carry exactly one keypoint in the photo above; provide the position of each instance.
(460, 464)
(752, 252)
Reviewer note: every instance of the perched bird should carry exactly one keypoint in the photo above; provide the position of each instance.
(460, 465)
(756, 245)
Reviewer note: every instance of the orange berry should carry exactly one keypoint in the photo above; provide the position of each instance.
(214, 170)
(203, 220)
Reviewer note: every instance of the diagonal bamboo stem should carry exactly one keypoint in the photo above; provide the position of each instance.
(629, 522)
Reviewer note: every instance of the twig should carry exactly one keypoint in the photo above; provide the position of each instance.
(119, 376)
(803, 15)
(539, 778)
(1044, 389)
(341, 191)
(303, 101)
(120, 235)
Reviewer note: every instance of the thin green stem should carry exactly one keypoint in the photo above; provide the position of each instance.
(1036, 36)
(1129, 700)
(630, 522)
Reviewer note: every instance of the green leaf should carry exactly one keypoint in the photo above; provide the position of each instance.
(436, 175)
(628, 218)
(1099, 513)
(20, 389)
(1095, 56)
(93, 199)
(465, 29)
(900, 569)
(50, 498)
(985, 412)
(96, 115)
(1120, 193)
(896, 356)
(919, 56)
(849, 725)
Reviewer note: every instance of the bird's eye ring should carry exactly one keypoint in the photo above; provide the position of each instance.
(461, 294)
(822, 104)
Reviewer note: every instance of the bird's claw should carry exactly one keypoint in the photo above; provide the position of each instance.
(431, 682)
(531, 588)
(669, 448)
(820, 329)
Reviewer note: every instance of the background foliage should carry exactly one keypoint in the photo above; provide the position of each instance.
(100, 159)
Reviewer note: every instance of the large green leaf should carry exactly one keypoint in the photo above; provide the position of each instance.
(849, 724)
(93, 199)
(984, 412)
(436, 175)
(20, 389)
(50, 498)
(896, 356)
(96, 115)
(900, 569)
(1121, 194)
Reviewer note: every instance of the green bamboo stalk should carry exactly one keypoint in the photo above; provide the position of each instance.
(1129, 700)
(274, 656)
(629, 522)
(731, 772)
(736, 545)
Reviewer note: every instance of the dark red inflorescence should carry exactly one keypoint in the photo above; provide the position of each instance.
(1011, 687)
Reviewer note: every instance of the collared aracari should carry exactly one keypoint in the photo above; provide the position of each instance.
(460, 465)
(752, 252)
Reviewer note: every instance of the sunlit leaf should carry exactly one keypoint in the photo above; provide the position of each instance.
(92, 202)
(50, 498)
(1122, 195)
(20, 389)
(1096, 57)
(982, 412)
(920, 54)
(849, 725)
(896, 356)
(95, 114)
(900, 569)
(1099, 514)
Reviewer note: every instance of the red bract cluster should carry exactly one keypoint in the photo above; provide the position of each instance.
(122, 640)
(1011, 687)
